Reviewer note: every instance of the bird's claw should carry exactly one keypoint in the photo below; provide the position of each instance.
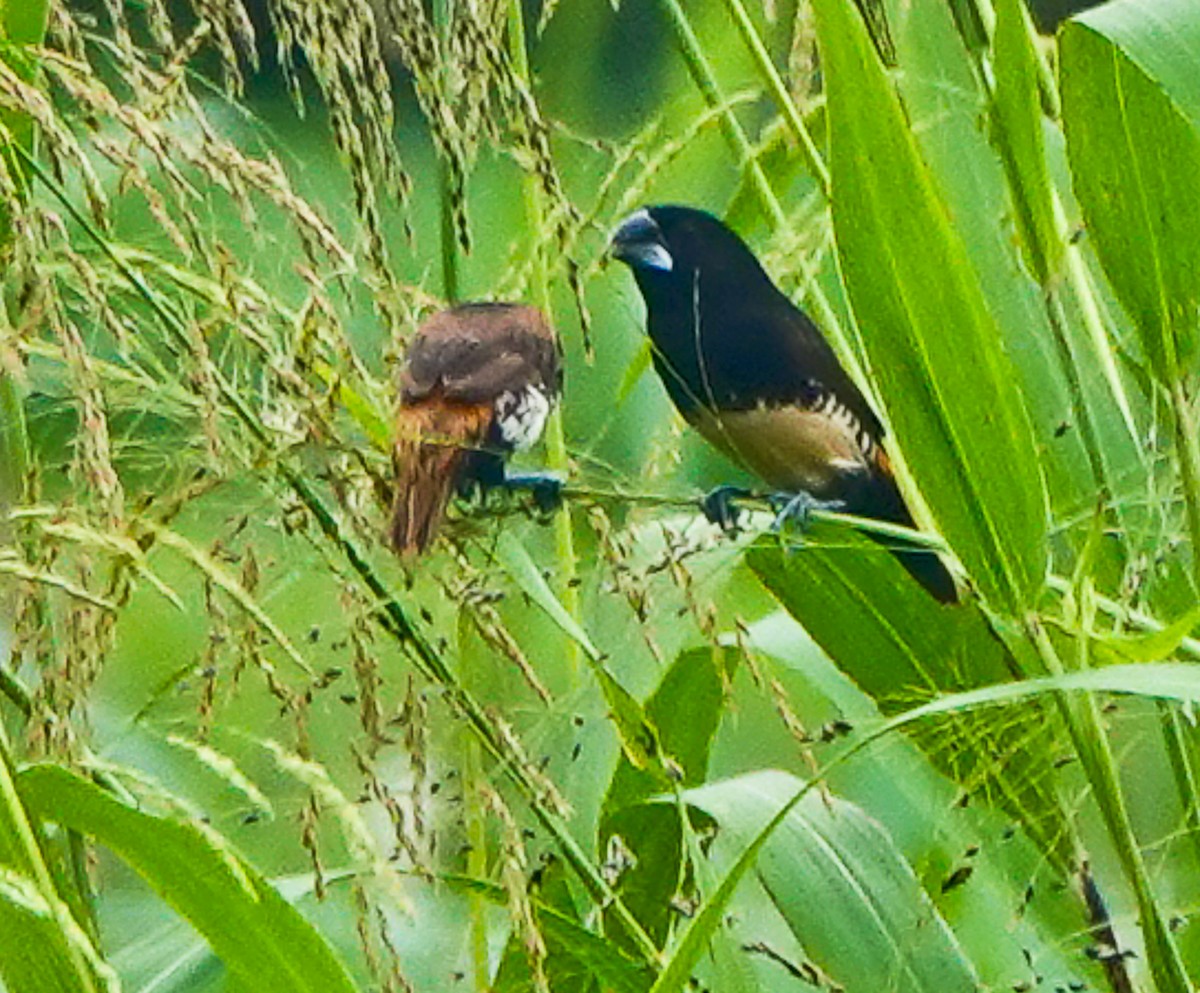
(797, 508)
(719, 506)
(546, 488)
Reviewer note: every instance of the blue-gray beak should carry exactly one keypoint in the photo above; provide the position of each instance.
(639, 243)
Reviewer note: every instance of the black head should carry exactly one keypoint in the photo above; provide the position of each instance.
(668, 246)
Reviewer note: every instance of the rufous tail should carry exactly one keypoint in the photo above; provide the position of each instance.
(433, 441)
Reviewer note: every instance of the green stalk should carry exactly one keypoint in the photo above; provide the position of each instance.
(984, 15)
(447, 239)
(706, 82)
(566, 587)
(1085, 726)
(1187, 447)
(777, 88)
(21, 852)
(1177, 738)
(477, 867)
(448, 242)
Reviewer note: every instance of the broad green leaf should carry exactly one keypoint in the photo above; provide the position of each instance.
(1131, 110)
(880, 627)
(1178, 681)
(23, 22)
(43, 943)
(897, 644)
(874, 919)
(639, 740)
(1017, 134)
(259, 936)
(1168, 681)
(523, 571)
(1155, 645)
(592, 955)
(686, 708)
(932, 343)
(927, 817)
(43, 948)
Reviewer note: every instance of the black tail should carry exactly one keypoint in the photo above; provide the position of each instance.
(927, 569)
(885, 503)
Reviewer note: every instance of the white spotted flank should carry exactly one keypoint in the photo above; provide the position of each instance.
(521, 416)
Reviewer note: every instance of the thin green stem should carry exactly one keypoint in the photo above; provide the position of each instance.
(985, 17)
(1177, 739)
(566, 587)
(778, 89)
(476, 864)
(1069, 367)
(706, 82)
(1187, 448)
(447, 240)
(1085, 726)
(24, 853)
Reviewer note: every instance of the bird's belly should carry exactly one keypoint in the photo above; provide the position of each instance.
(788, 447)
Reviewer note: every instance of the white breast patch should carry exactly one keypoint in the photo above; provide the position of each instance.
(521, 416)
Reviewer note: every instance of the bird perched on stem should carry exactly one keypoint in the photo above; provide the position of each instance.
(478, 383)
(754, 375)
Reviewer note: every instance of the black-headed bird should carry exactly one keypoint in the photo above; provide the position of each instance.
(749, 370)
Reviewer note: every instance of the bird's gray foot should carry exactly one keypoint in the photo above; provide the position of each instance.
(797, 508)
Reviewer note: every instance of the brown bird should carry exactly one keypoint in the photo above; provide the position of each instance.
(478, 383)
(754, 375)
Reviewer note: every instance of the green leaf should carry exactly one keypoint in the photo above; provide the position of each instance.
(43, 948)
(1132, 113)
(1155, 645)
(24, 21)
(882, 629)
(686, 709)
(259, 936)
(639, 740)
(897, 644)
(591, 953)
(931, 342)
(875, 919)
(517, 562)
(818, 852)
(1017, 134)
(638, 365)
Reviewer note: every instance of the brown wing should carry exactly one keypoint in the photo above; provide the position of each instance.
(476, 352)
(433, 437)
